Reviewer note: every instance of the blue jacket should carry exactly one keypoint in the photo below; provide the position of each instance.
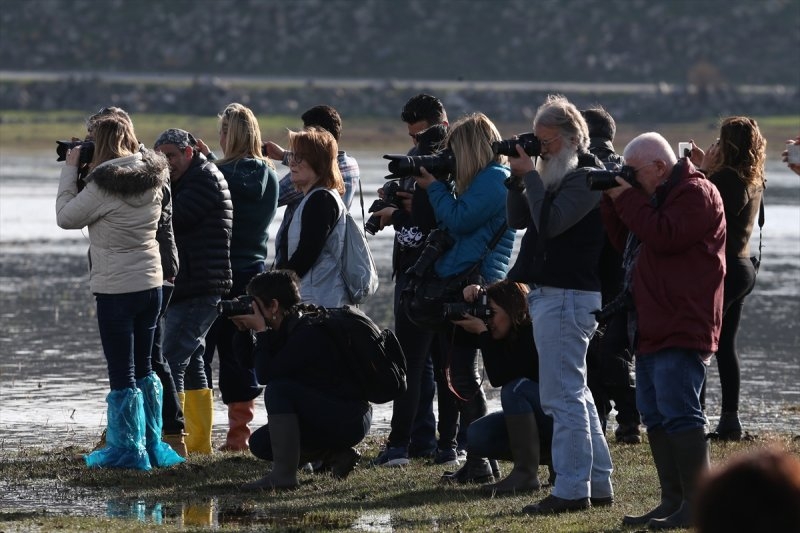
(472, 219)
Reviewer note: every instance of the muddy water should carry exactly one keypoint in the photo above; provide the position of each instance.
(53, 374)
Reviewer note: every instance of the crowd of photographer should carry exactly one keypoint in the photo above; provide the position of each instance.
(634, 245)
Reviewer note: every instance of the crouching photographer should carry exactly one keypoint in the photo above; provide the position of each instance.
(473, 213)
(314, 406)
(521, 432)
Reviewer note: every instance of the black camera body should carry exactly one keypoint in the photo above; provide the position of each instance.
(440, 165)
(87, 151)
(601, 180)
(479, 308)
(390, 199)
(236, 307)
(529, 142)
(437, 243)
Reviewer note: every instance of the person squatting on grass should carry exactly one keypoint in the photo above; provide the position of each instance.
(314, 405)
(121, 203)
(671, 226)
(521, 432)
(558, 259)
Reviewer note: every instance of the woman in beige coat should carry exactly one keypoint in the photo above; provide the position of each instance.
(121, 205)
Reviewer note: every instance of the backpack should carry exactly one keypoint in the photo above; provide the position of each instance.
(374, 357)
(358, 268)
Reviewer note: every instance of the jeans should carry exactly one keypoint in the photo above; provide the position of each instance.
(562, 326)
(668, 384)
(171, 411)
(127, 324)
(237, 382)
(186, 324)
(326, 422)
(412, 412)
(488, 436)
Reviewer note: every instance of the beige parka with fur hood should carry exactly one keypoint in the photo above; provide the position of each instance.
(121, 205)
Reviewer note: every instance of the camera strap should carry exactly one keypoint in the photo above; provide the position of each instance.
(757, 260)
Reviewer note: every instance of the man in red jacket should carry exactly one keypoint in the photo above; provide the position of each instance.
(671, 224)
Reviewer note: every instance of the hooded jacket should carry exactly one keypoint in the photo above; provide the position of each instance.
(121, 205)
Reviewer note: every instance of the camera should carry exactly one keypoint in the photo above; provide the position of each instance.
(437, 243)
(479, 308)
(87, 151)
(601, 180)
(440, 165)
(236, 307)
(622, 302)
(529, 142)
(390, 199)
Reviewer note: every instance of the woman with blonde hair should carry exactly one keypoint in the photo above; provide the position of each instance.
(735, 165)
(253, 185)
(314, 238)
(472, 212)
(121, 205)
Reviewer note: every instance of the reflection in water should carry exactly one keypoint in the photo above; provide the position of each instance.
(377, 522)
(137, 510)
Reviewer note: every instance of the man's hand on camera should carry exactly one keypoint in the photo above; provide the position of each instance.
(471, 292)
(522, 164)
(425, 179)
(73, 157)
(471, 324)
(385, 215)
(614, 192)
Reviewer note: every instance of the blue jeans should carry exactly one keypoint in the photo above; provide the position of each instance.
(127, 323)
(171, 407)
(186, 324)
(563, 324)
(488, 436)
(668, 384)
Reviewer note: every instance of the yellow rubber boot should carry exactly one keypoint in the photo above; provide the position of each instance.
(198, 413)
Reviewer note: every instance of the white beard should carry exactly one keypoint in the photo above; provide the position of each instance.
(553, 169)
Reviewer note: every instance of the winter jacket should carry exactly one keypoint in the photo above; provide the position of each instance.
(165, 236)
(121, 205)
(203, 221)
(472, 219)
(678, 275)
(573, 232)
(253, 187)
(508, 359)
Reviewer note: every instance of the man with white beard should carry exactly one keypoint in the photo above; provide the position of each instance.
(558, 259)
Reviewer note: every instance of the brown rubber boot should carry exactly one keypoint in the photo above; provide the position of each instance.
(239, 415)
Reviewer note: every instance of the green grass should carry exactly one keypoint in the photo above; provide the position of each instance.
(34, 131)
(407, 499)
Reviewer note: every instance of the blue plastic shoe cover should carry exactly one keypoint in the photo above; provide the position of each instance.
(125, 444)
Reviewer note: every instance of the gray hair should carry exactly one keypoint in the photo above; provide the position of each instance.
(650, 145)
(557, 112)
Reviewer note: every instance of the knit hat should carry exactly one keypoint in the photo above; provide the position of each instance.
(180, 138)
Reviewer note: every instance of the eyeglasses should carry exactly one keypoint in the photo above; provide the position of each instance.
(295, 158)
(637, 169)
(544, 143)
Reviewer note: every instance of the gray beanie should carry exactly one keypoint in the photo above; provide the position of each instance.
(180, 138)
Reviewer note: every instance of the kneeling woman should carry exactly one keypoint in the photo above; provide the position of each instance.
(314, 405)
(521, 432)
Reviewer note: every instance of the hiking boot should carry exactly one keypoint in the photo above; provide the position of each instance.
(729, 428)
(628, 434)
(474, 470)
(555, 505)
(391, 456)
(447, 457)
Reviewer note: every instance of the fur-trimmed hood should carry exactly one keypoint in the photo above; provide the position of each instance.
(131, 176)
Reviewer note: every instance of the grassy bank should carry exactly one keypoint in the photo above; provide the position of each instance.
(203, 494)
(26, 131)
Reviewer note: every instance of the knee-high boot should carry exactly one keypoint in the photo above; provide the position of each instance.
(159, 452)
(668, 478)
(199, 415)
(125, 441)
(690, 452)
(239, 415)
(284, 433)
(523, 436)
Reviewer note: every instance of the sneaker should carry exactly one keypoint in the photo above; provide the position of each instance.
(421, 453)
(446, 457)
(391, 456)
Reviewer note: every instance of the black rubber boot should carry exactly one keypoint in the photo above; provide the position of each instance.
(668, 478)
(690, 452)
(523, 436)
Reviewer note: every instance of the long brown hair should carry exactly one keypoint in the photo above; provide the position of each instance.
(319, 149)
(742, 148)
(511, 297)
(113, 137)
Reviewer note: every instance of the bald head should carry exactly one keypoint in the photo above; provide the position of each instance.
(652, 158)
